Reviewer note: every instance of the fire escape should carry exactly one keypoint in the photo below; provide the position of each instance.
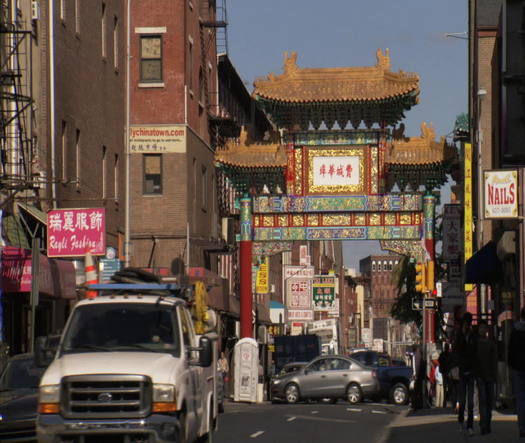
(16, 144)
(213, 32)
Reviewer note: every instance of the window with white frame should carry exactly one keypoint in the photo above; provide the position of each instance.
(150, 58)
(103, 30)
(115, 42)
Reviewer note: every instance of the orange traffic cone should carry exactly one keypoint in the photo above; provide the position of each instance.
(91, 274)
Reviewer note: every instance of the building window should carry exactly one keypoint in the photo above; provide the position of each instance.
(63, 10)
(152, 173)
(77, 16)
(190, 64)
(115, 42)
(104, 172)
(373, 266)
(151, 58)
(77, 154)
(116, 177)
(103, 30)
(64, 151)
(204, 184)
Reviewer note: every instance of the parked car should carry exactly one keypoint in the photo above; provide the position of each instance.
(19, 399)
(327, 377)
(291, 367)
(394, 380)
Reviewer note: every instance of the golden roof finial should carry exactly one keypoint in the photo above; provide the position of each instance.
(428, 133)
(290, 63)
(383, 61)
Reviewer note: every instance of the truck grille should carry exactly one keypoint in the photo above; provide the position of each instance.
(106, 396)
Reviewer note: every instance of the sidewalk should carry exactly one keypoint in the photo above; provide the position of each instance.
(441, 426)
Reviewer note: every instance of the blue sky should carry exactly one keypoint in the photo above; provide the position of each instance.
(347, 33)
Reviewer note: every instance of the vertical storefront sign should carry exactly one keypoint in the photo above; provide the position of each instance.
(467, 220)
(452, 232)
(261, 284)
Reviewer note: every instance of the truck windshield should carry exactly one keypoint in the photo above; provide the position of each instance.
(112, 327)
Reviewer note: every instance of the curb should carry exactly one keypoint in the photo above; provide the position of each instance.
(385, 435)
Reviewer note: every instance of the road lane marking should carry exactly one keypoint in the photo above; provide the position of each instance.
(332, 420)
(291, 418)
(354, 409)
(315, 412)
(378, 412)
(256, 434)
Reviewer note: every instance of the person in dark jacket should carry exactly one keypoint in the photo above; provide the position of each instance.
(465, 344)
(517, 363)
(486, 372)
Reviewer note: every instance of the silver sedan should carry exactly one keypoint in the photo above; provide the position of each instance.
(327, 376)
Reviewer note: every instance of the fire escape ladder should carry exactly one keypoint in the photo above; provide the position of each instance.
(16, 144)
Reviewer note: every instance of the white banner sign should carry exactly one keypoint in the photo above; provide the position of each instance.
(298, 291)
(298, 271)
(300, 315)
(157, 139)
(501, 197)
(336, 171)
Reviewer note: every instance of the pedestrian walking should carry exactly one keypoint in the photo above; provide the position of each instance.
(444, 360)
(465, 345)
(486, 373)
(440, 392)
(517, 363)
(224, 368)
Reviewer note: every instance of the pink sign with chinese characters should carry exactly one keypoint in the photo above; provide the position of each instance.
(73, 232)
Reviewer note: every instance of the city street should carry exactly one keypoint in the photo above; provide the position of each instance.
(327, 423)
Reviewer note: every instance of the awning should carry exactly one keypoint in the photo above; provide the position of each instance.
(484, 266)
(34, 212)
(56, 278)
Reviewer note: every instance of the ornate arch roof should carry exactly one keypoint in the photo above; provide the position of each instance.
(324, 85)
(419, 150)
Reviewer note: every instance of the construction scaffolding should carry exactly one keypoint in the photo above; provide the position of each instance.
(16, 141)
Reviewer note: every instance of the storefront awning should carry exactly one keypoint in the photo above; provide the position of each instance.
(34, 212)
(484, 266)
(56, 278)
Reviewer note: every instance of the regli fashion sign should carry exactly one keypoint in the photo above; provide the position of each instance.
(73, 232)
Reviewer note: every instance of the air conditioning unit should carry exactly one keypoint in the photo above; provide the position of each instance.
(272, 288)
(35, 10)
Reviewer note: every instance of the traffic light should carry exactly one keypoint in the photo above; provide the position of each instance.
(421, 277)
(431, 284)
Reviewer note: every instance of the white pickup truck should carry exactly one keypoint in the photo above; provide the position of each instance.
(129, 368)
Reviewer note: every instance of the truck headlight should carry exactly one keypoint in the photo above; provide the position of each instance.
(164, 398)
(49, 399)
(276, 382)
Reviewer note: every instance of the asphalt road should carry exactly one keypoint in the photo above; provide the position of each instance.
(305, 423)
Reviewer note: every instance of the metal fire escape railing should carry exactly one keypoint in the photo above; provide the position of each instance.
(213, 33)
(16, 143)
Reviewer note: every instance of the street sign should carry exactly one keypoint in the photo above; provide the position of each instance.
(417, 304)
(430, 303)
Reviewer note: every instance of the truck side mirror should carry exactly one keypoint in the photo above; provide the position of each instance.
(206, 352)
(45, 350)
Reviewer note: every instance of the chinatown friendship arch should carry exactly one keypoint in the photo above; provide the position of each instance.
(314, 179)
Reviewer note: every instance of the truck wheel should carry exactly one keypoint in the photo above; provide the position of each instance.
(354, 394)
(291, 393)
(399, 394)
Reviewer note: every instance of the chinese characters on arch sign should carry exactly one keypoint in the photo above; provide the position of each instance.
(341, 170)
(73, 232)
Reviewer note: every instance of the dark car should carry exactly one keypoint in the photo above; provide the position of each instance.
(19, 399)
(327, 377)
(394, 380)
